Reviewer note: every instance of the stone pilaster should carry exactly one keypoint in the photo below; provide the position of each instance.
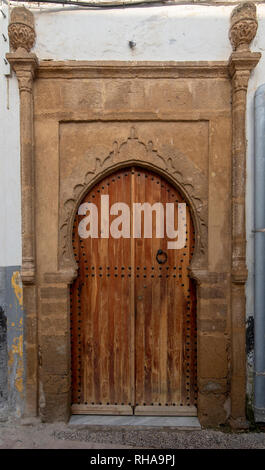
(24, 63)
(242, 61)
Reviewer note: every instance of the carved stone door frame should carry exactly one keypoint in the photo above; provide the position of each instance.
(220, 398)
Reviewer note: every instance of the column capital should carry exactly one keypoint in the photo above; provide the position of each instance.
(243, 29)
(24, 65)
(243, 61)
(21, 30)
(244, 26)
(22, 37)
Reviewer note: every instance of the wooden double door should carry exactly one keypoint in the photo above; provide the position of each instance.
(133, 308)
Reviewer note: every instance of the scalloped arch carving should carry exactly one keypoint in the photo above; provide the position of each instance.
(176, 168)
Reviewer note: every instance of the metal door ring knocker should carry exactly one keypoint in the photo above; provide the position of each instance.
(161, 257)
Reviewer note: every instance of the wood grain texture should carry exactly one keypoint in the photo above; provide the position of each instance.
(102, 410)
(165, 410)
(133, 320)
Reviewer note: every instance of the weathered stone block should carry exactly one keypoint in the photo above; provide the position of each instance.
(31, 327)
(212, 409)
(53, 292)
(51, 325)
(238, 399)
(55, 356)
(212, 325)
(29, 299)
(212, 360)
(212, 292)
(55, 407)
(53, 384)
(217, 386)
(213, 309)
(32, 361)
(59, 309)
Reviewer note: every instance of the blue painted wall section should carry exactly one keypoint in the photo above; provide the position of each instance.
(11, 339)
(3, 364)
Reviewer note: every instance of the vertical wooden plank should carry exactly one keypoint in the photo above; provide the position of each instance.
(111, 294)
(156, 300)
(139, 306)
(156, 296)
(104, 311)
(117, 304)
(152, 195)
(96, 311)
(124, 251)
(164, 316)
(88, 308)
(131, 273)
(146, 194)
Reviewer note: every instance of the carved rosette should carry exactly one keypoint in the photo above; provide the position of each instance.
(21, 29)
(243, 26)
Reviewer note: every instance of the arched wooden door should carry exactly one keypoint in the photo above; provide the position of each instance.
(133, 310)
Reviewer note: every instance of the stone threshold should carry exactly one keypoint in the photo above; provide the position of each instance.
(189, 423)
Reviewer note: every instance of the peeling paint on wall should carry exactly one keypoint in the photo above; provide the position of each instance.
(17, 286)
(3, 351)
(17, 350)
(3, 359)
(11, 302)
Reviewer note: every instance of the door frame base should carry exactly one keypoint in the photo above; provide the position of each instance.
(165, 410)
(84, 409)
(127, 410)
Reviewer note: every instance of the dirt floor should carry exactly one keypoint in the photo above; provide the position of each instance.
(13, 435)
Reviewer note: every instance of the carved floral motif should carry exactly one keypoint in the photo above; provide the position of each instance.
(21, 35)
(25, 81)
(243, 26)
(21, 29)
(240, 80)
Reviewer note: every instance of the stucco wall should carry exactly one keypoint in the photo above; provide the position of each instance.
(10, 252)
(179, 32)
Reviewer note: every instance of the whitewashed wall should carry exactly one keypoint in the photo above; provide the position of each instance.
(160, 33)
(179, 32)
(10, 243)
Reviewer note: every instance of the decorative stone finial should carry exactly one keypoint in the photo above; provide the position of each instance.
(243, 26)
(21, 29)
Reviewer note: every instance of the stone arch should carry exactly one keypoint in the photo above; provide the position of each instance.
(135, 152)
